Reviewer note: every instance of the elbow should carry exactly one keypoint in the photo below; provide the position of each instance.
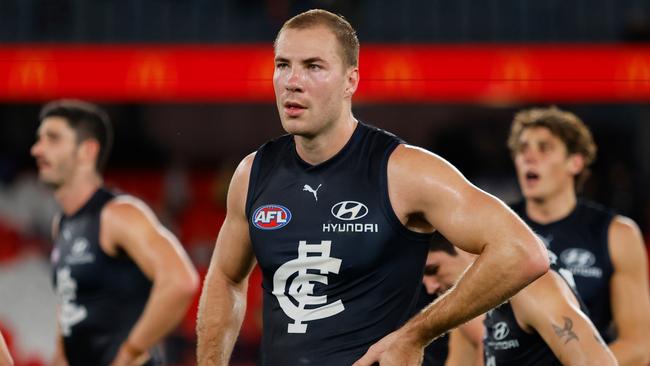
(185, 285)
(539, 266)
(190, 285)
(536, 262)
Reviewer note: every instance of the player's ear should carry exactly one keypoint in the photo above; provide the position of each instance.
(352, 81)
(576, 163)
(89, 150)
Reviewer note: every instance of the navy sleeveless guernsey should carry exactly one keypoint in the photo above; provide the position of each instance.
(507, 344)
(581, 242)
(339, 269)
(99, 297)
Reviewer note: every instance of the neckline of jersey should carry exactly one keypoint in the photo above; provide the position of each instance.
(356, 135)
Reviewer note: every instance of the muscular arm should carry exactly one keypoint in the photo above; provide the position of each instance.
(548, 307)
(223, 300)
(428, 193)
(629, 296)
(129, 225)
(466, 344)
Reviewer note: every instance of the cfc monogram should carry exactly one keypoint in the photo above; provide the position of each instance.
(313, 257)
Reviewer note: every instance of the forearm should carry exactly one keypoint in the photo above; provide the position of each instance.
(494, 277)
(221, 312)
(630, 353)
(167, 304)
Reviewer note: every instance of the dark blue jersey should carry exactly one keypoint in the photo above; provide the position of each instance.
(339, 269)
(581, 242)
(507, 344)
(99, 297)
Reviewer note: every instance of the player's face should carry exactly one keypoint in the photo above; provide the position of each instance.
(55, 151)
(310, 80)
(441, 272)
(544, 168)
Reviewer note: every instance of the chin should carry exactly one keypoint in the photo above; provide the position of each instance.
(296, 127)
(49, 182)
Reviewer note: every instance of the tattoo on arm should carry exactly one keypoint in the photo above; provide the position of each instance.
(566, 332)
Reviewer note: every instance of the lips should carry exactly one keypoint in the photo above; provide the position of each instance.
(42, 164)
(531, 177)
(293, 109)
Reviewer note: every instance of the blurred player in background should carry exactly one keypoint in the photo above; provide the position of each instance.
(122, 280)
(552, 150)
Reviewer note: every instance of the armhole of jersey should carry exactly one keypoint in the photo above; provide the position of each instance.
(385, 199)
(252, 181)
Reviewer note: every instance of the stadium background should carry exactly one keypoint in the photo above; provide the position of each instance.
(188, 86)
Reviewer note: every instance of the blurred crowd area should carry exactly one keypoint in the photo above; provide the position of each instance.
(227, 21)
(179, 159)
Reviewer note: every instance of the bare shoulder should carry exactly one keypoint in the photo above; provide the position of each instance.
(122, 218)
(239, 184)
(243, 171)
(413, 170)
(625, 242)
(418, 162)
(126, 209)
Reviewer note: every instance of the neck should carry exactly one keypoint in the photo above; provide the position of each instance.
(73, 195)
(323, 146)
(553, 208)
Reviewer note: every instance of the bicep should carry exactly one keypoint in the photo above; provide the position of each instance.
(133, 227)
(629, 296)
(467, 216)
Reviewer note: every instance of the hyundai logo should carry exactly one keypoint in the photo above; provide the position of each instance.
(577, 257)
(500, 331)
(349, 210)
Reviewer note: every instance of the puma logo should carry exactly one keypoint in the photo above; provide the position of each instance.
(308, 188)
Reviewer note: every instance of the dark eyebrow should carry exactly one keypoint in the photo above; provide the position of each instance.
(281, 59)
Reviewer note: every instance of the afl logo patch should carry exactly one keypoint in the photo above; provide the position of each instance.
(271, 217)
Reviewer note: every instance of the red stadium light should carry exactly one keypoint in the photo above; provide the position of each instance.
(389, 73)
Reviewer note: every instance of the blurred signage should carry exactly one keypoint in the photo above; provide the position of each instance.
(389, 73)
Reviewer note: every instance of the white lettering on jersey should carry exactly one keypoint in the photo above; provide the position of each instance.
(301, 288)
(69, 312)
(350, 228)
(268, 216)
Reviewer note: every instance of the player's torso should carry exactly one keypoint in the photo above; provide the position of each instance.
(99, 297)
(580, 241)
(339, 269)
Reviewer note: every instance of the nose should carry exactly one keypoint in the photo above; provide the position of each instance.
(294, 80)
(36, 149)
(431, 284)
(528, 155)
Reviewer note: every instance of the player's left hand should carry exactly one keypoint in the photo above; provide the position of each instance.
(393, 350)
(127, 358)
